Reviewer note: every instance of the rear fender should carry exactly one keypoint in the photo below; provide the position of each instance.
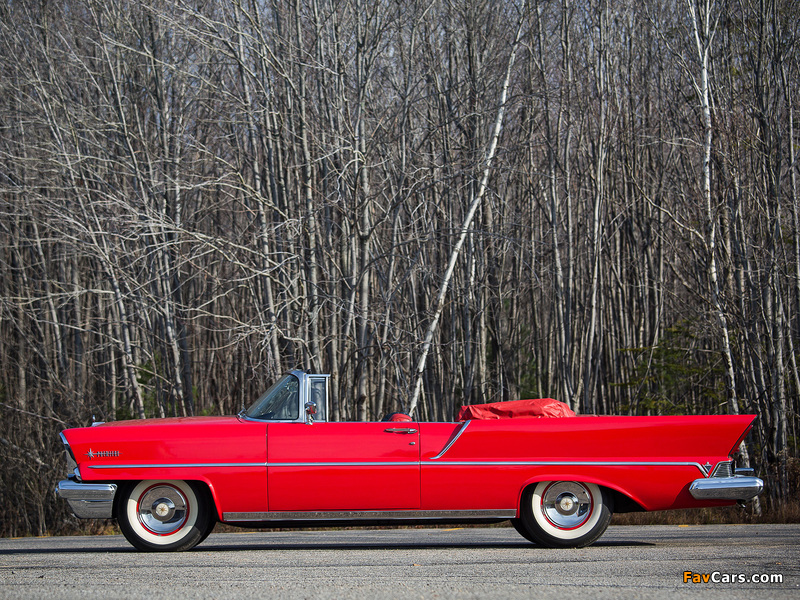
(631, 501)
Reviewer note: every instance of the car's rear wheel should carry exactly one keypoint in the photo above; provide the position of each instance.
(565, 514)
(164, 516)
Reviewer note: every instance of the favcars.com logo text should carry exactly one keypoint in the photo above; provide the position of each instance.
(720, 577)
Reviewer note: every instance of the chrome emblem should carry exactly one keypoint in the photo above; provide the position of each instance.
(102, 453)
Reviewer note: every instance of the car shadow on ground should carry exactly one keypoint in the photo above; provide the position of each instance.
(304, 546)
(332, 545)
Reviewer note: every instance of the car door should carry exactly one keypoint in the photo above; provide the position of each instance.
(343, 466)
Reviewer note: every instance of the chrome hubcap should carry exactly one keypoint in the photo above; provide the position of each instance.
(567, 504)
(162, 509)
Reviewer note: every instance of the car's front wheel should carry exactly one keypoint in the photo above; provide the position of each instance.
(565, 514)
(164, 516)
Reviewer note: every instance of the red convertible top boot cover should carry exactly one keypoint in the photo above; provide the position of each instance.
(516, 409)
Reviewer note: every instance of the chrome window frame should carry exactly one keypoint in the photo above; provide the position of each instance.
(306, 379)
(303, 396)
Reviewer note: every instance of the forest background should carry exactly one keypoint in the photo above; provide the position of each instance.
(440, 202)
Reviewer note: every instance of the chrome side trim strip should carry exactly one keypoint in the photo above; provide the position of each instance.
(562, 463)
(428, 462)
(360, 515)
(177, 465)
(346, 464)
(232, 465)
(453, 441)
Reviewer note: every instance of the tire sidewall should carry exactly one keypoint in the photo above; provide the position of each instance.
(544, 532)
(191, 532)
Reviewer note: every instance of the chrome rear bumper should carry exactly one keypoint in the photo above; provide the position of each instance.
(736, 487)
(88, 500)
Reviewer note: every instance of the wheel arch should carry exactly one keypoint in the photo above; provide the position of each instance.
(624, 501)
(206, 486)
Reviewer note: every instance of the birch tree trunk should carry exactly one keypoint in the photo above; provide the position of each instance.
(490, 154)
(704, 24)
(592, 357)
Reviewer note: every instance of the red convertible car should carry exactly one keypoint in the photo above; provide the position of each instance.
(556, 476)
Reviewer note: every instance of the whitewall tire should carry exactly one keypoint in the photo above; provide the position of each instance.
(164, 515)
(565, 514)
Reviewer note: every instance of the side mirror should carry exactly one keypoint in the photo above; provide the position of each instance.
(311, 410)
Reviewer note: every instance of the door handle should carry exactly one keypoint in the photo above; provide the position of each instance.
(400, 430)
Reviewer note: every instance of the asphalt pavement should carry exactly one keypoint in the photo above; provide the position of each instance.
(707, 561)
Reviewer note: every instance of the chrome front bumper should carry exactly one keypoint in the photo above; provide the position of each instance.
(725, 483)
(88, 500)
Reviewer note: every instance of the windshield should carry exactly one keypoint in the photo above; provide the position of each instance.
(280, 402)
